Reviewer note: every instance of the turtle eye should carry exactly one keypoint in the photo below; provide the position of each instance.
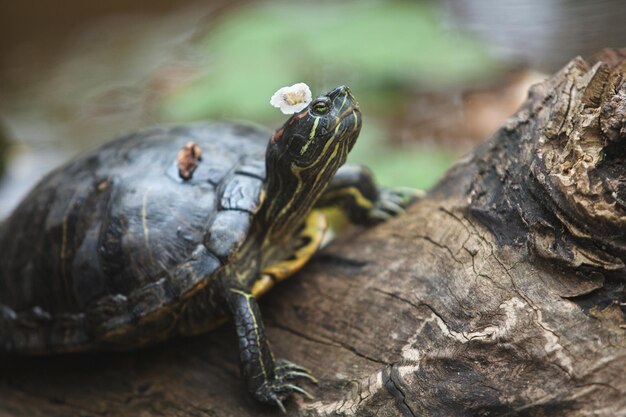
(321, 106)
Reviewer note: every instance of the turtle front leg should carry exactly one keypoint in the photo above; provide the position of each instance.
(267, 378)
(354, 191)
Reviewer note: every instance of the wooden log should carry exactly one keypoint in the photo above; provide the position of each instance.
(501, 294)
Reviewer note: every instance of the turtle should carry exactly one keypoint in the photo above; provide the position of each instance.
(136, 241)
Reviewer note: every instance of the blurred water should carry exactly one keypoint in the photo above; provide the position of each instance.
(544, 34)
(23, 172)
(108, 81)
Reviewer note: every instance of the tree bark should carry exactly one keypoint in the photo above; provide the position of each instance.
(499, 294)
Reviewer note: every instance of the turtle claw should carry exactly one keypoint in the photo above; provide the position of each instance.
(377, 216)
(289, 388)
(283, 364)
(280, 405)
(393, 201)
(300, 375)
(276, 389)
(288, 370)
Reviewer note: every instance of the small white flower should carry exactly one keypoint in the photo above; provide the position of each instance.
(292, 99)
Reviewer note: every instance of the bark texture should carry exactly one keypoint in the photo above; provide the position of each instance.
(500, 294)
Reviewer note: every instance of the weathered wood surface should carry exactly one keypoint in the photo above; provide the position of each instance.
(501, 293)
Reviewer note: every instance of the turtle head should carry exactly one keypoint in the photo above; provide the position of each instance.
(326, 129)
(304, 154)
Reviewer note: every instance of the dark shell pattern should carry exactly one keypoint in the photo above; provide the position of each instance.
(116, 233)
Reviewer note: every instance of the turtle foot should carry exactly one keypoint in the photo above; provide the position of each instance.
(275, 390)
(393, 201)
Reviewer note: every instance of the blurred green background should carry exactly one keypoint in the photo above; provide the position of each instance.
(433, 78)
(381, 50)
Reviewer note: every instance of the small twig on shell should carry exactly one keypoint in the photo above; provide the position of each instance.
(187, 160)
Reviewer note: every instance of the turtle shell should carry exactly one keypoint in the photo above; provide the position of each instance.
(115, 225)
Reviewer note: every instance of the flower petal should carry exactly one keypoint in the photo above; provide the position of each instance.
(292, 99)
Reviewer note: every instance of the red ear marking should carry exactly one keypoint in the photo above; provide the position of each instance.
(298, 116)
(277, 135)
